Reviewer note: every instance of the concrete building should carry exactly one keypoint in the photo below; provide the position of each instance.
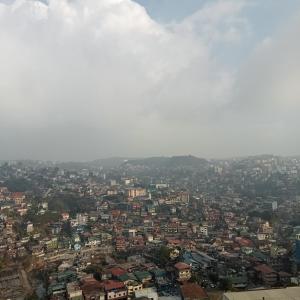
(149, 293)
(136, 192)
(183, 271)
(74, 292)
(29, 227)
(297, 248)
(204, 230)
(266, 274)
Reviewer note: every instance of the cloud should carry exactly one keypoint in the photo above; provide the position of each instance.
(219, 22)
(267, 86)
(85, 79)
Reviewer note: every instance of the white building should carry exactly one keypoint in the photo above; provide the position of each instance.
(149, 293)
(29, 227)
(204, 229)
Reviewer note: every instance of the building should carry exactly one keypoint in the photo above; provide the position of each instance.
(81, 219)
(198, 259)
(297, 248)
(182, 271)
(274, 205)
(115, 290)
(148, 293)
(120, 244)
(132, 285)
(132, 232)
(74, 292)
(266, 274)
(92, 289)
(143, 276)
(184, 197)
(204, 230)
(65, 216)
(136, 192)
(18, 197)
(192, 291)
(29, 227)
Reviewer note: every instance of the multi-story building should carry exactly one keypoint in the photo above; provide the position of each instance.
(182, 271)
(136, 192)
(74, 292)
(115, 290)
(266, 274)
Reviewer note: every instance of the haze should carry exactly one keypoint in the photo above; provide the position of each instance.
(86, 79)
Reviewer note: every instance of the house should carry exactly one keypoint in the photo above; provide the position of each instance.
(182, 271)
(29, 227)
(116, 272)
(133, 286)
(266, 274)
(92, 289)
(204, 230)
(143, 276)
(115, 290)
(74, 292)
(148, 293)
(284, 277)
(120, 244)
(18, 197)
(65, 216)
(239, 281)
(192, 291)
(136, 192)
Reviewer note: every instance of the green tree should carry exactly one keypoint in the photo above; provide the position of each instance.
(164, 255)
(33, 296)
(225, 284)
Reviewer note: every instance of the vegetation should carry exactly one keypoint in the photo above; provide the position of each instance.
(225, 284)
(18, 184)
(163, 255)
(95, 270)
(32, 297)
(71, 203)
(44, 219)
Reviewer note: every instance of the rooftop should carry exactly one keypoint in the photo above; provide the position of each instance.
(264, 269)
(193, 291)
(182, 266)
(290, 293)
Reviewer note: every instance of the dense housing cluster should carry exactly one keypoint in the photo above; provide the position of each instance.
(157, 228)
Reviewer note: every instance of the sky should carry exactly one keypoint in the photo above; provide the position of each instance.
(89, 79)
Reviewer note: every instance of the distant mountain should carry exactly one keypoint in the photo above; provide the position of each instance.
(111, 162)
(187, 161)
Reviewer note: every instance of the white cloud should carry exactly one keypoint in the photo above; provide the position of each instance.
(89, 78)
(269, 81)
(100, 64)
(219, 22)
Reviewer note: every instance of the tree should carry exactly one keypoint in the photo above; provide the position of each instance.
(18, 184)
(164, 255)
(95, 270)
(33, 296)
(195, 278)
(213, 277)
(225, 284)
(67, 229)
